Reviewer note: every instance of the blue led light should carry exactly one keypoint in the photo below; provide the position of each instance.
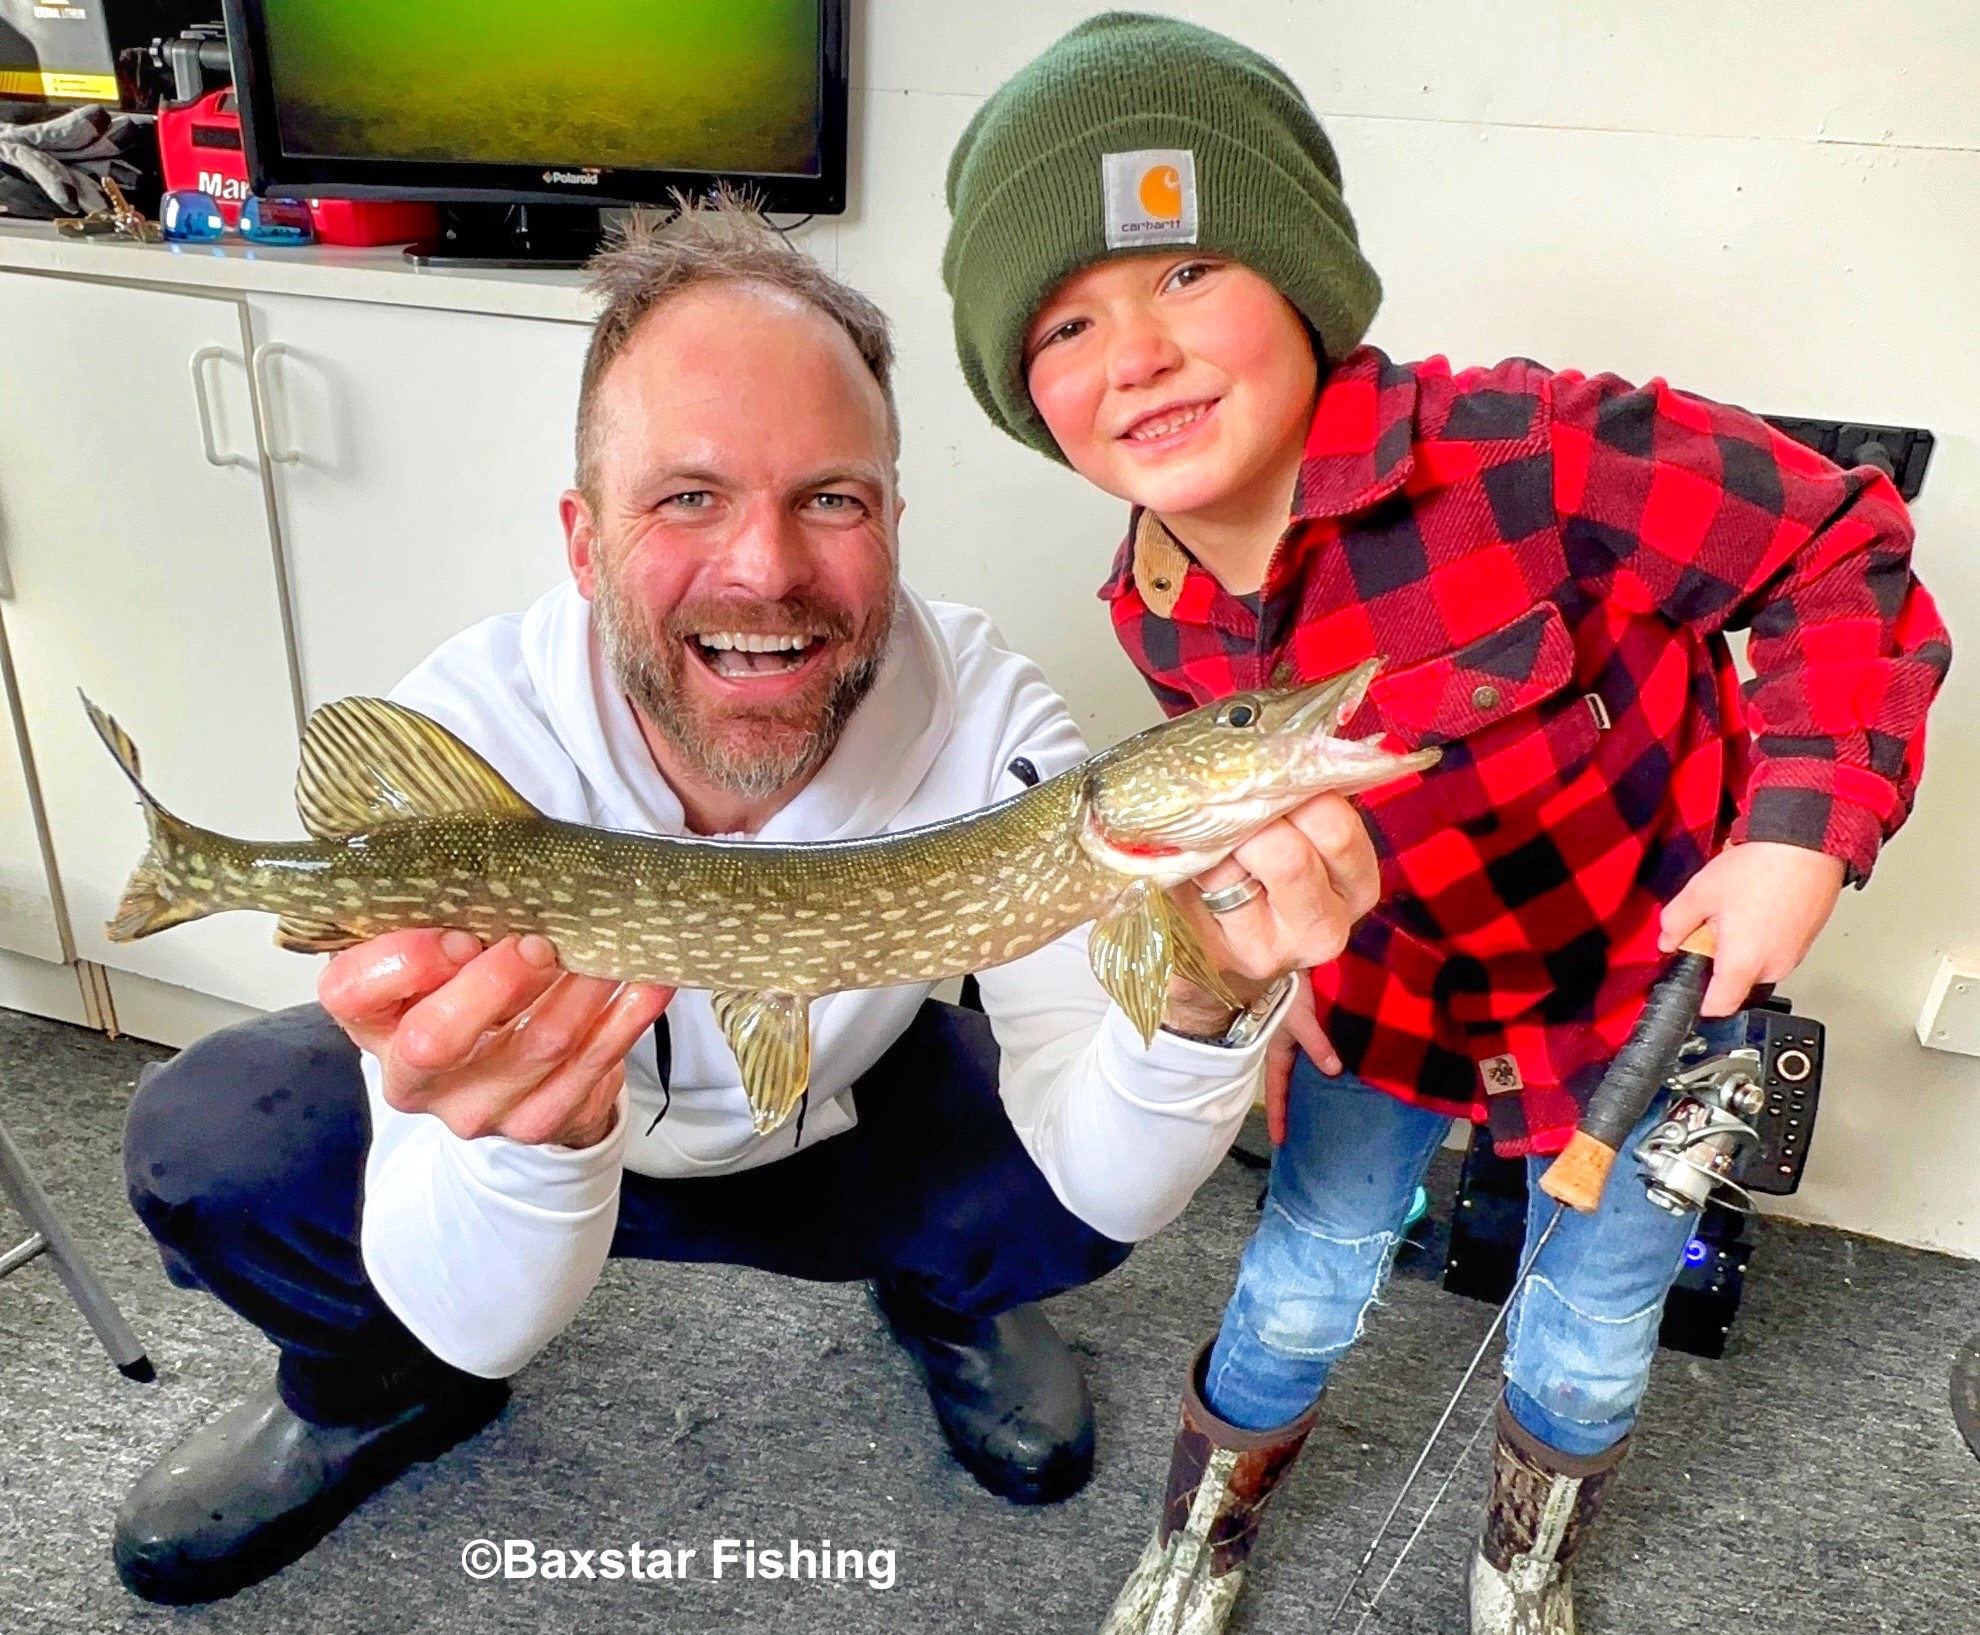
(1696, 1253)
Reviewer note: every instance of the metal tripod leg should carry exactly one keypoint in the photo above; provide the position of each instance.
(47, 1234)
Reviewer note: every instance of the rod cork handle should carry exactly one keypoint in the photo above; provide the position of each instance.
(1578, 1176)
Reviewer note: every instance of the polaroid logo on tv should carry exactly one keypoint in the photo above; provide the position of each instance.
(573, 178)
(232, 188)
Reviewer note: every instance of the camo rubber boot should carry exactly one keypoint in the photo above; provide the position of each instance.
(1220, 1477)
(1542, 1504)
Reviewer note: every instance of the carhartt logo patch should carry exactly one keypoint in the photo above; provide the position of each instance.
(1151, 197)
(1501, 1075)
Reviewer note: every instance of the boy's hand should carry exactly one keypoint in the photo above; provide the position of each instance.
(1301, 1030)
(491, 1041)
(1766, 902)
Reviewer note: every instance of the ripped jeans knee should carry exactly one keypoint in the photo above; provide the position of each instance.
(1301, 1301)
(1575, 1377)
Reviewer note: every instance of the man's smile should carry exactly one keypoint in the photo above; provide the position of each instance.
(735, 654)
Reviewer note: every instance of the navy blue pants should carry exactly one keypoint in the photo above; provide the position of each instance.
(244, 1156)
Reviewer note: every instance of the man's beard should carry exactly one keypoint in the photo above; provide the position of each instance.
(749, 752)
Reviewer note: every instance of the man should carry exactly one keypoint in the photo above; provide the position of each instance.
(411, 1190)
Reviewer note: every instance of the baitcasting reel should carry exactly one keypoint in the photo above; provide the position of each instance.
(1691, 1159)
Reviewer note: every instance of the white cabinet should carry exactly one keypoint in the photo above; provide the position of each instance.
(143, 571)
(418, 456)
(233, 488)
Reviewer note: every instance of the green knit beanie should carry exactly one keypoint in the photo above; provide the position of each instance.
(1136, 131)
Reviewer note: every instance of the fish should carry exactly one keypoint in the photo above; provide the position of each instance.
(410, 827)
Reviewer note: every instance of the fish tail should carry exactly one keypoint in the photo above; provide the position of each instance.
(158, 893)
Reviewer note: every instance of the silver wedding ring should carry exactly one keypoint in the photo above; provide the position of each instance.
(1225, 898)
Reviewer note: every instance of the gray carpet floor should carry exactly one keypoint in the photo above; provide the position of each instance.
(1811, 1481)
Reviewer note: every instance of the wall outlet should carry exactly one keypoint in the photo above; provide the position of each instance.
(1951, 1017)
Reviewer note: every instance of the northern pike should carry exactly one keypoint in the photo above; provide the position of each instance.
(410, 827)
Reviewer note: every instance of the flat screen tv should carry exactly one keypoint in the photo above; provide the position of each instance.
(605, 102)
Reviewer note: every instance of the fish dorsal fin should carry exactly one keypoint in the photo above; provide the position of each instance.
(770, 1032)
(367, 762)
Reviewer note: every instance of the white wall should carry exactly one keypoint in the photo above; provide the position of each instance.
(1774, 203)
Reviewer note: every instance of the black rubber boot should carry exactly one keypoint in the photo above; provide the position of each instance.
(254, 1490)
(1007, 1392)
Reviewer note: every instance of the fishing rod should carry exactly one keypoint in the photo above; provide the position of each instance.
(1683, 1156)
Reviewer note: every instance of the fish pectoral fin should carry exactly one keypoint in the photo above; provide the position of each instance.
(1132, 950)
(302, 935)
(366, 761)
(1191, 961)
(770, 1032)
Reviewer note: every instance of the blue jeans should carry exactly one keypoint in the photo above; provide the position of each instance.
(1578, 1342)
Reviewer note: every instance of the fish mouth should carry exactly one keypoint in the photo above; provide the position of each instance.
(1331, 703)
(1322, 709)
(1296, 735)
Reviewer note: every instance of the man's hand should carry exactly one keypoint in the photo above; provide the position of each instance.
(1317, 865)
(491, 1041)
(1765, 902)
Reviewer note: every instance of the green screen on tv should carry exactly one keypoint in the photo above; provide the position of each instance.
(625, 84)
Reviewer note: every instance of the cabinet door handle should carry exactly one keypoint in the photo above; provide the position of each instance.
(265, 380)
(200, 406)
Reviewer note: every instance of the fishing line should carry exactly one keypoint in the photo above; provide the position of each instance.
(1423, 1521)
(1423, 1458)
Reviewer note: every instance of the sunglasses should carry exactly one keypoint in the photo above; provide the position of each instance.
(190, 216)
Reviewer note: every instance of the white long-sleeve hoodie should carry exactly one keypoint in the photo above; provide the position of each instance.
(486, 1248)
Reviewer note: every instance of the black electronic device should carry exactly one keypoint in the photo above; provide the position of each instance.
(1791, 1050)
(176, 70)
(1704, 1300)
(197, 60)
(504, 112)
(1488, 1224)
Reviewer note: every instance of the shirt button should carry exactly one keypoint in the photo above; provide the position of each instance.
(1485, 698)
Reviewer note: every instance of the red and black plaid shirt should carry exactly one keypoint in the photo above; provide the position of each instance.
(1548, 563)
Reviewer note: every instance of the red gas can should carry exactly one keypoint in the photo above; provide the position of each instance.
(373, 221)
(199, 145)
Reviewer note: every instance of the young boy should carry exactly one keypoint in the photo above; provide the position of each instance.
(1156, 281)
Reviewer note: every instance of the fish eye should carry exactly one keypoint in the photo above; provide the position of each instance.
(1240, 715)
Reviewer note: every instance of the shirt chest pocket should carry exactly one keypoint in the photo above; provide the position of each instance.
(1506, 712)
